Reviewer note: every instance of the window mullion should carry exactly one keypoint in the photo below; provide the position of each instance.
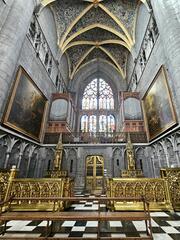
(97, 122)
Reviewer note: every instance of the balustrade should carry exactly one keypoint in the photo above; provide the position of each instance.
(155, 191)
(100, 137)
(43, 51)
(147, 45)
(37, 192)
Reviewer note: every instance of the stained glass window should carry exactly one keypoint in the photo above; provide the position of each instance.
(90, 96)
(98, 95)
(111, 123)
(84, 123)
(98, 98)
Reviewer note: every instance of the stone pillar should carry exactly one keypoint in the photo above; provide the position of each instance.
(7, 159)
(5, 7)
(153, 166)
(166, 153)
(10, 144)
(12, 36)
(177, 155)
(22, 148)
(31, 151)
(168, 20)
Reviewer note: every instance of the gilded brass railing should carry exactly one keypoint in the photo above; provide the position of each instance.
(172, 175)
(34, 191)
(4, 177)
(155, 191)
(36, 188)
(162, 193)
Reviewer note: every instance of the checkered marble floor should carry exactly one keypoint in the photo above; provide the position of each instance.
(165, 226)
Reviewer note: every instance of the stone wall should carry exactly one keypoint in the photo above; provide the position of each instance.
(12, 35)
(18, 49)
(31, 159)
(167, 17)
(164, 151)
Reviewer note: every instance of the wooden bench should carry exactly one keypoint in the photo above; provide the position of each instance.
(81, 216)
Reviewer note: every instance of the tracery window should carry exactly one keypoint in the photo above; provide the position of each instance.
(98, 106)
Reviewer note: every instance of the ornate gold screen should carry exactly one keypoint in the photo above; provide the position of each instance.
(94, 173)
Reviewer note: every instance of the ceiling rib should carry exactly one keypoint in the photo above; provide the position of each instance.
(120, 24)
(106, 52)
(123, 36)
(73, 23)
(80, 61)
(97, 25)
(97, 60)
(113, 59)
(94, 43)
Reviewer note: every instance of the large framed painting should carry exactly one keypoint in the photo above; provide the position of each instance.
(27, 107)
(158, 107)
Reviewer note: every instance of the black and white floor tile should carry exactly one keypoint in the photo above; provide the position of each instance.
(165, 226)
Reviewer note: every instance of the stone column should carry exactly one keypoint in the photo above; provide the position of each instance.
(7, 159)
(12, 36)
(10, 144)
(177, 155)
(31, 151)
(166, 153)
(21, 148)
(5, 7)
(168, 21)
(153, 166)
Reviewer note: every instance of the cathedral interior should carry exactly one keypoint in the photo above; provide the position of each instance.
(89, 107)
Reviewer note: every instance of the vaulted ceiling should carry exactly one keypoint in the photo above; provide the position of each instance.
(94, 30)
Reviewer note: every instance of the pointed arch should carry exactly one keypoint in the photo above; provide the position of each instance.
(110, 41)
(46, 2)
(119, 23)
(81, 60)
(77, 43)
(94, 60)
(113, 59)
(103, 50)
(73, 23)
(96, 25)
(113, 41)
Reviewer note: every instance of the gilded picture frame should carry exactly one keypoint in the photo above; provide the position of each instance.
(26, 109)
(159, 112)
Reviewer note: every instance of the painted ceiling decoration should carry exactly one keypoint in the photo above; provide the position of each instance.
(94, 30)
